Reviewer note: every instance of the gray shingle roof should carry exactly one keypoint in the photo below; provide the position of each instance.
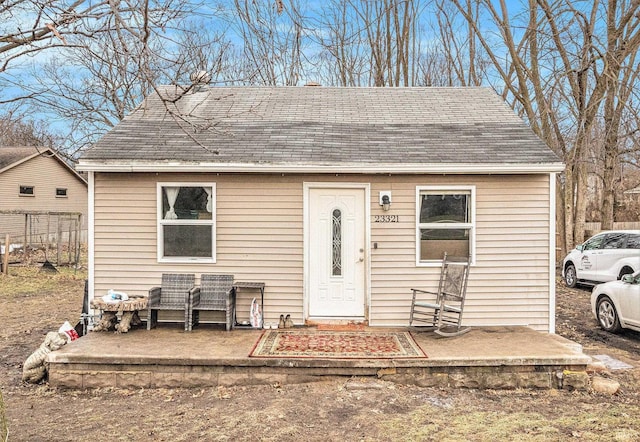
(322, 126)
(11, 156)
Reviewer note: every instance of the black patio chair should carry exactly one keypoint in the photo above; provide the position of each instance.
(443, 309)
(173, 294)
(216, 293)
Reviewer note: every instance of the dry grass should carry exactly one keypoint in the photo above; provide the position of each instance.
(29, 291)
(615, 422)
(4, 429)
(33, 303)
(28, 280)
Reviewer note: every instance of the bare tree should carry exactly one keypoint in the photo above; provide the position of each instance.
(100, 76)
(16, 130)
(620, 76)
(103, 79)
(455, 58)
(338, 30)
(370, 42)
(273, 37)
(30, 26)
(392, 34)
(558, 68)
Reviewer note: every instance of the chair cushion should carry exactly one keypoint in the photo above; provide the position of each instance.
(427, 305)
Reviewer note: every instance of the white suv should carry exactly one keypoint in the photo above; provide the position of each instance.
(604, 257)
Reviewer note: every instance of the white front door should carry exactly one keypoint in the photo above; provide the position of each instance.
(336, 254)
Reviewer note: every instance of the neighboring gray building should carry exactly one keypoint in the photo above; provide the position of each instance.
(286, 185)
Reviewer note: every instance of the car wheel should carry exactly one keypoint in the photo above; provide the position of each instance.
(607, 315)
(570, 278)
(625, 271)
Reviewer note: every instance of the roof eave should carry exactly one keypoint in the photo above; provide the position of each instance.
(52, 155)
(358, 168)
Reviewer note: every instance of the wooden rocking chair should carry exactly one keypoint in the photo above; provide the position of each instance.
(443, 311)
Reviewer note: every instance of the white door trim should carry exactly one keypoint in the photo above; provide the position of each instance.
(307, 186)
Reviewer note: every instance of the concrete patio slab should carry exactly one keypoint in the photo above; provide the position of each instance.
(501, 357)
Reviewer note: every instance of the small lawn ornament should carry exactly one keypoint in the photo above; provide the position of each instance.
(256, 314)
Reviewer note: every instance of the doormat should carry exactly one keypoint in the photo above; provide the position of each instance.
(340, 327)
(336, 345)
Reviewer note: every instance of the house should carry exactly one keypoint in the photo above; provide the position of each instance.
(339, 199)
(37, 187)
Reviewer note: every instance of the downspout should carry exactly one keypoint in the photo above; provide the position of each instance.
(91, 237)
(552, 253)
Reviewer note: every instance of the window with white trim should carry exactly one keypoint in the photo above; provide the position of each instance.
(445, 222)
(186, 222)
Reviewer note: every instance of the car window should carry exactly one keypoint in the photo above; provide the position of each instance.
(594, 243)
(614, 241)
(633, 241)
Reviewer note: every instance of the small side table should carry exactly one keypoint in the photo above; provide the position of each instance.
(250, 286)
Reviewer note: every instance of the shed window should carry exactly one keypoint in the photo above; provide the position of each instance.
(186, 222)
(445, 223)
(27, 191)
(61, 192)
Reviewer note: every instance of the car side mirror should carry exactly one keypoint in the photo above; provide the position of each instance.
(580, 247)
(628, 279)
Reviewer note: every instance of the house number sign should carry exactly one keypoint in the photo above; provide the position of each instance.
(385, 218)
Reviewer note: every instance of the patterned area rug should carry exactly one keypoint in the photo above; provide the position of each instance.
(336, 345)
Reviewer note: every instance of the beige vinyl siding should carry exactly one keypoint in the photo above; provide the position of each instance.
(45, 174)
(259, 231)
(509, 282)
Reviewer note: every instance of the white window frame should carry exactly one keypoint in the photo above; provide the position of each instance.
(471, 225)
(66, 192)
(162, 222)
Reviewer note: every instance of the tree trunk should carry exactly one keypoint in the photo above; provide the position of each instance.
(581, 202)
(561, 239)
(567, 200)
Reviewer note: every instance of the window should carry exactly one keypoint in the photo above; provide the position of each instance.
(614, 241)
(61, 192)
(445, 222)
(186, 222)
(633, 241)
(594, 243)
(27, 191)
(337, 243)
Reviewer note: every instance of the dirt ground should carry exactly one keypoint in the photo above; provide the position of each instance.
(33, 303)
